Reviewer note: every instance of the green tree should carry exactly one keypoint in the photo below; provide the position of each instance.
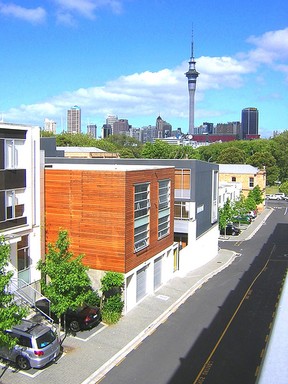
(226, 214)
(267, 160)
(64, 278)
(279, 149)
(257, 195)
(232, 155)
(10, 313)
(240, 207)
(157, 150)
(284, 188)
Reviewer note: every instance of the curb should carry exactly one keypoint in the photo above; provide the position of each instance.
(119, 356)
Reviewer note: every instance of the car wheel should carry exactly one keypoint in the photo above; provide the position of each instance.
(23, 363)
(74, 326)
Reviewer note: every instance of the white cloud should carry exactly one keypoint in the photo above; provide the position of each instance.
(141, 94)
(68, 9)
(149, 93)
(271, 46)
(35, 15)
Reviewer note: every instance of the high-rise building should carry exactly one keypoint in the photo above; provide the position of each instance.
(74, 120)
(249, 123)
(92, 130)
(106, 131)
(191, 75)
(163, 128)
(111, 119)
(120, 127)
(50, 125)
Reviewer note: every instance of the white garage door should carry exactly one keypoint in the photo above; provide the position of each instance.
(158, 272)
(141, 284)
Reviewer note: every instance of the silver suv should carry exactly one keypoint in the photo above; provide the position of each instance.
(37, 345)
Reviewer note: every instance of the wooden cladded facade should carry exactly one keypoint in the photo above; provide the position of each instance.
(97, 209)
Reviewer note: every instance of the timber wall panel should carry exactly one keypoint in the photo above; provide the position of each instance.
(97, 209)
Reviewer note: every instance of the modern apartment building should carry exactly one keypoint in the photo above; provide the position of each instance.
(50, 125)
(119, 216)
(74, 120)
(195, 204)
(20, 199)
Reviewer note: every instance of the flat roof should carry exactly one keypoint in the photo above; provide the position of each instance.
(79, 149)
(105, 167)
(237, 168)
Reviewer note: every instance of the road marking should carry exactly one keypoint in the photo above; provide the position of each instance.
(120, 361)
(196, 381)
(257, 371)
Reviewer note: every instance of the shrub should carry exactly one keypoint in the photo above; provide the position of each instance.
(112, 304)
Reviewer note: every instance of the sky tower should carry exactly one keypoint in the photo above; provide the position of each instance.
(191, 75)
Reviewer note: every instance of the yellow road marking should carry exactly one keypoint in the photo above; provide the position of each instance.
(232, 318)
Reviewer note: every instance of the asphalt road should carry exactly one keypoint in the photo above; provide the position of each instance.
(219, 334)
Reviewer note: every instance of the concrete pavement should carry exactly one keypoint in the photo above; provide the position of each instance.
(89, 356)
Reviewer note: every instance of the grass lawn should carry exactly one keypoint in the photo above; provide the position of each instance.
(271, 190)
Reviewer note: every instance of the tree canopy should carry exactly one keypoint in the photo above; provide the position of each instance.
(269, 153)
(65, 280)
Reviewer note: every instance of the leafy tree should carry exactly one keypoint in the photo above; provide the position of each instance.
(126, 153)
(279, 149)
(250, 204)
(240, 207)
(226, 214)
(157, 150)
(232, 155)
(257, 195)
(267, 160)
(65, 280)
(44, 133)
(10, 313)
(284, 188)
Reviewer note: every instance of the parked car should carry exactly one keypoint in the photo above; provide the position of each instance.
(37, 345)
(252, 214)
(245, 219)
(84, 317)
(230, 230)
(276, 196)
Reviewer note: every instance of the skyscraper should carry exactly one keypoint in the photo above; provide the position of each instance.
(74, 120)
(191, 75)
(92, 130)
(49, 125)
(249, 123)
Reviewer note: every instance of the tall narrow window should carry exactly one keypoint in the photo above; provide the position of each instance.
(14, 153)
(214, 202)
(164, 208)
(251, 182)
(182, 183)
(141, 216)
(14, 204)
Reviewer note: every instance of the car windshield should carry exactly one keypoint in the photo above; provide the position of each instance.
(46, 339)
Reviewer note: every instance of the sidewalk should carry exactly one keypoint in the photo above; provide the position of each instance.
(86, 361)
(154, 309)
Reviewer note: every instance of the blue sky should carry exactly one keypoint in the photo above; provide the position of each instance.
(128, 58)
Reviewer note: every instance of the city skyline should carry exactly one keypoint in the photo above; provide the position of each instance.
(129, 59)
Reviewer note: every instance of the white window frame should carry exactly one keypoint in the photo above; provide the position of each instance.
(14, 153)
(164, 202)
(141, 216)
(13, 198)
